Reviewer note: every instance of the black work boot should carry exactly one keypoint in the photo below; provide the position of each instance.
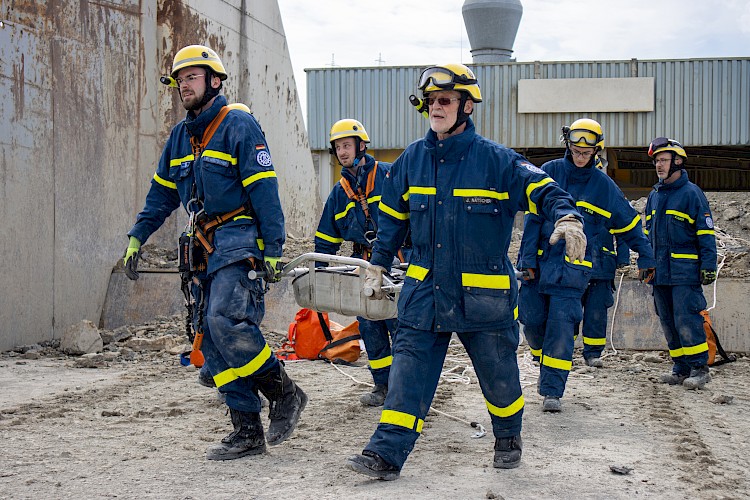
(371, 464)
(286, 401)
(698, 378)
(246, 438)
(205, 378)
(507, 452)
(376, 397)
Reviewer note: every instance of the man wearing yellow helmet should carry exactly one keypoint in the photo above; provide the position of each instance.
(351, 214)
(457, 193)
(558, 293)
(216, 164)
(681, 230)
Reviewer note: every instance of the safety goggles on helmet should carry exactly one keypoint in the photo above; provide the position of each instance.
(665, 144)
(443, 78)
(586, 137)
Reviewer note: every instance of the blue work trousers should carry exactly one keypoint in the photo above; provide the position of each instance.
(377, 336)
(596, 300)
(678, 308)
(549, 324)
(418, 357)
(233, 345)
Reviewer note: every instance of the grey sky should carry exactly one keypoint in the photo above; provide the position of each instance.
(407, 32)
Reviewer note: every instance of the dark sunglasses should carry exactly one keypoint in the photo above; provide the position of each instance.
(443, 101)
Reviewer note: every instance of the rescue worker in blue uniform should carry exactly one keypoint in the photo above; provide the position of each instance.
(217, 164)
(550, 300)
(457, 193)
(351, 214)
(681, 230)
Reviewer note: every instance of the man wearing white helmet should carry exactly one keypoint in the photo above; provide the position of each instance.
(457, 193)
(216, 164)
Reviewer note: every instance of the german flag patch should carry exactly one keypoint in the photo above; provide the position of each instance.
(258, 147)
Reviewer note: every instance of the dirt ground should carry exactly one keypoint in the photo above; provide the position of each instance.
(133, 423)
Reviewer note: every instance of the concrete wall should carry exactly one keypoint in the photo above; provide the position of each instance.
(84, 119)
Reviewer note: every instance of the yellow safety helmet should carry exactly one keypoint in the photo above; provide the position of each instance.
(453, 76)
(198, 55)
(240, 106)
(584, 133)
(348, 127)
(664, 144)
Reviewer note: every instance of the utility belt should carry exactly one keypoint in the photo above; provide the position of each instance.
(196, 244)
(363, 250)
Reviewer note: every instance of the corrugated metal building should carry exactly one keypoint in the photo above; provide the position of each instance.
(704, 103)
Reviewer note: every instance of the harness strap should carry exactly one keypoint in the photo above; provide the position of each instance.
(199, 146)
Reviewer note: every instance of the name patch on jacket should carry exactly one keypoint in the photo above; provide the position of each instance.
(481, 200)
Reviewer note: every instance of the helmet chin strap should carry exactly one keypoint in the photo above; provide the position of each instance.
(673, 167)
(462, 117)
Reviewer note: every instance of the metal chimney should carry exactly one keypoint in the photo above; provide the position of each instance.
(492, 26)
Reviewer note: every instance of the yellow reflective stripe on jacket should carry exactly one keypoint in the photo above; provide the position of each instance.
(683, 215)
(605, 249)
(374, 199)
(177, 161)
(506, 411)
(494, 281)
(340, 215)
(401, 419)
(257, 177)
(232, 374)
(577, 262)
(530, 189)
(419, 190)
(536, 352)
(594, 341)
(515, 312)
(261, 244)
(684, 256)
(705, 231)
(464, 193)
(560, 364)
(165, 183)
(628, 227)
(393, 213)
(323, 236)
(594, 208)
(417, 272)
(539, 251)
(221, 156)
(242, 217)
(376, 364)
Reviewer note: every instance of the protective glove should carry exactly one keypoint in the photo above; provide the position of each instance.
(528, 274)
(707, 277)
(374, 282)
(571, 230)
(646, 275)
(131, 258)
(272, 266)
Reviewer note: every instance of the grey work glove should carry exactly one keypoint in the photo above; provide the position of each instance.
(374, 282)
(571, 230)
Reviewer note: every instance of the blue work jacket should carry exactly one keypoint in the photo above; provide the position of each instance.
(681, 230)
(459, 197)
(343, 219)
(606, 212)
(234, 168)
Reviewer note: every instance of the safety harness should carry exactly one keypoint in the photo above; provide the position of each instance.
(371, 229)
(196, 244)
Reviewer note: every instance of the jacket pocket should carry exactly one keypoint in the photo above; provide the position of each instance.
(684, 265)
(486, 292)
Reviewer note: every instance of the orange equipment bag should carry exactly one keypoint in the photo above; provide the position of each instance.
(713, 343)
(313, 336)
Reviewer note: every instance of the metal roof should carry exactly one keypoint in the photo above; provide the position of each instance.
(701, 102)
